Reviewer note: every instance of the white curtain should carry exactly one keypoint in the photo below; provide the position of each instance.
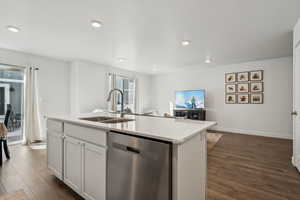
(32, 119)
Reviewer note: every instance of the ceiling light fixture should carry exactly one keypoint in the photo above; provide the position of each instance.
(122, 60)
(154, 69)
(13, 29)
(208, 61)
(185, 42)
(96, 24)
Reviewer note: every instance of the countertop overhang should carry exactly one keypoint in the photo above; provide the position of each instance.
(171, 130)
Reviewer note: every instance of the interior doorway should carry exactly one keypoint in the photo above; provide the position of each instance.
(12, 97)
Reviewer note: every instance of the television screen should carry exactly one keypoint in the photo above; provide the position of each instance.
(190, 99)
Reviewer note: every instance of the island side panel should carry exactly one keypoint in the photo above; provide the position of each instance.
(190, 169)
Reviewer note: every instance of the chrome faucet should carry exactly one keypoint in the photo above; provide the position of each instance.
(122, 99)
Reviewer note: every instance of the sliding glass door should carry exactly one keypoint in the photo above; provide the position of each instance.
(12, 100)
(4, 98)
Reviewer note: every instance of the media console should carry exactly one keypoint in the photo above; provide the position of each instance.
(195, 114)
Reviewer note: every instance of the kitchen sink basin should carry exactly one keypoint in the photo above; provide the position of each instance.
(107, 120)
(97, 119)
(118, 120)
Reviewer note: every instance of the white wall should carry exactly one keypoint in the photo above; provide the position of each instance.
(89, 87)
(269, 119)
(83, 87)
(53, 80)
(79, 86)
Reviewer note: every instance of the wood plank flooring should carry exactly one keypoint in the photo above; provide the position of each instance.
(240, 167)
(27, 171)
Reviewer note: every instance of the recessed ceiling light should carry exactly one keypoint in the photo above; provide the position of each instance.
(186, 42)
(208, 61)
(121, 60)
(154, 69)
(13, 29)
(96, 24)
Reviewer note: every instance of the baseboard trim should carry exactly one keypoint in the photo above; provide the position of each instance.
(296, 163)
(253, 132)
(293, 161)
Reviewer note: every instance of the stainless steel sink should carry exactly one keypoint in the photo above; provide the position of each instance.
(118, 120)
(107, 120)
(97, 119)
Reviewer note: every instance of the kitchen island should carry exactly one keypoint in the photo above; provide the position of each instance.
(102, 156)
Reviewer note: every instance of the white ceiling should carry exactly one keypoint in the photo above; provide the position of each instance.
(148, 33)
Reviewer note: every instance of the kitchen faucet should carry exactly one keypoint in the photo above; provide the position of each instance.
(122, 99)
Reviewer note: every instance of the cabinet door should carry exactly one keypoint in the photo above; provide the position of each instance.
(55, 153)
(296, 114)
(94, 172)
(73, 163)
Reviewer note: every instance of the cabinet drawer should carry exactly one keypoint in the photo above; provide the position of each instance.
(94, 136)
(56, 126)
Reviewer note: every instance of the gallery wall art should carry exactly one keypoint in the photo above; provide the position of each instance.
(244, 87)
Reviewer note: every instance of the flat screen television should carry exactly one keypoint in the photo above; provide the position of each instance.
(190, 99)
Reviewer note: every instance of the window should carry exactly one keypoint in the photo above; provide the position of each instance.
(125, 84)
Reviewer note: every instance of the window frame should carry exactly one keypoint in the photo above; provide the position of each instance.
(112, 81)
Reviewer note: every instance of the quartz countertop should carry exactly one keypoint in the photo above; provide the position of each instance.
(167, 129)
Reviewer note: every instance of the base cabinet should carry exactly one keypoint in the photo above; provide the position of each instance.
(55, 153)
(94, 172)
(77, 156)
(85, 168)
(73, 163)
(296, 97)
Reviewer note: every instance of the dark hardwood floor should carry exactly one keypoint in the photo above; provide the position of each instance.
(240, 167)
(27, 171)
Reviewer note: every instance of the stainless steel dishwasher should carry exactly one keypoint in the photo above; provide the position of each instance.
(138, 168)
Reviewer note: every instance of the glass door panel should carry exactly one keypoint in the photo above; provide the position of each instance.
(12, 98)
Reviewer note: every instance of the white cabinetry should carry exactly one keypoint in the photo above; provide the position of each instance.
(55, 153)
(85, 168)
(94, 172)
(55, 148)
(77, 155)
(73, 163)
(296, 98)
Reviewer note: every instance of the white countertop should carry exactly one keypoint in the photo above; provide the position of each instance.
(166, 129)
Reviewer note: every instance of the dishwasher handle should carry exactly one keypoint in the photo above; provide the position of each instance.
(126, 148)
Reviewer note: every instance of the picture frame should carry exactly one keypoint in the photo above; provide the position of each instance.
(230, 77)
(243, 76)
(256, 86)
(243, 98)
(256, 75)
(243, 87)
(257, 98)
(230, 99)
(230, 88)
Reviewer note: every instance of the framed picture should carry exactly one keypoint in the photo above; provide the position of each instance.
(257, 87)
(243, 98)
(230, 78)
(243, 87)
(256, 75)
(257, 98)
(230, 99)
(230, 88)
(243, 77)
